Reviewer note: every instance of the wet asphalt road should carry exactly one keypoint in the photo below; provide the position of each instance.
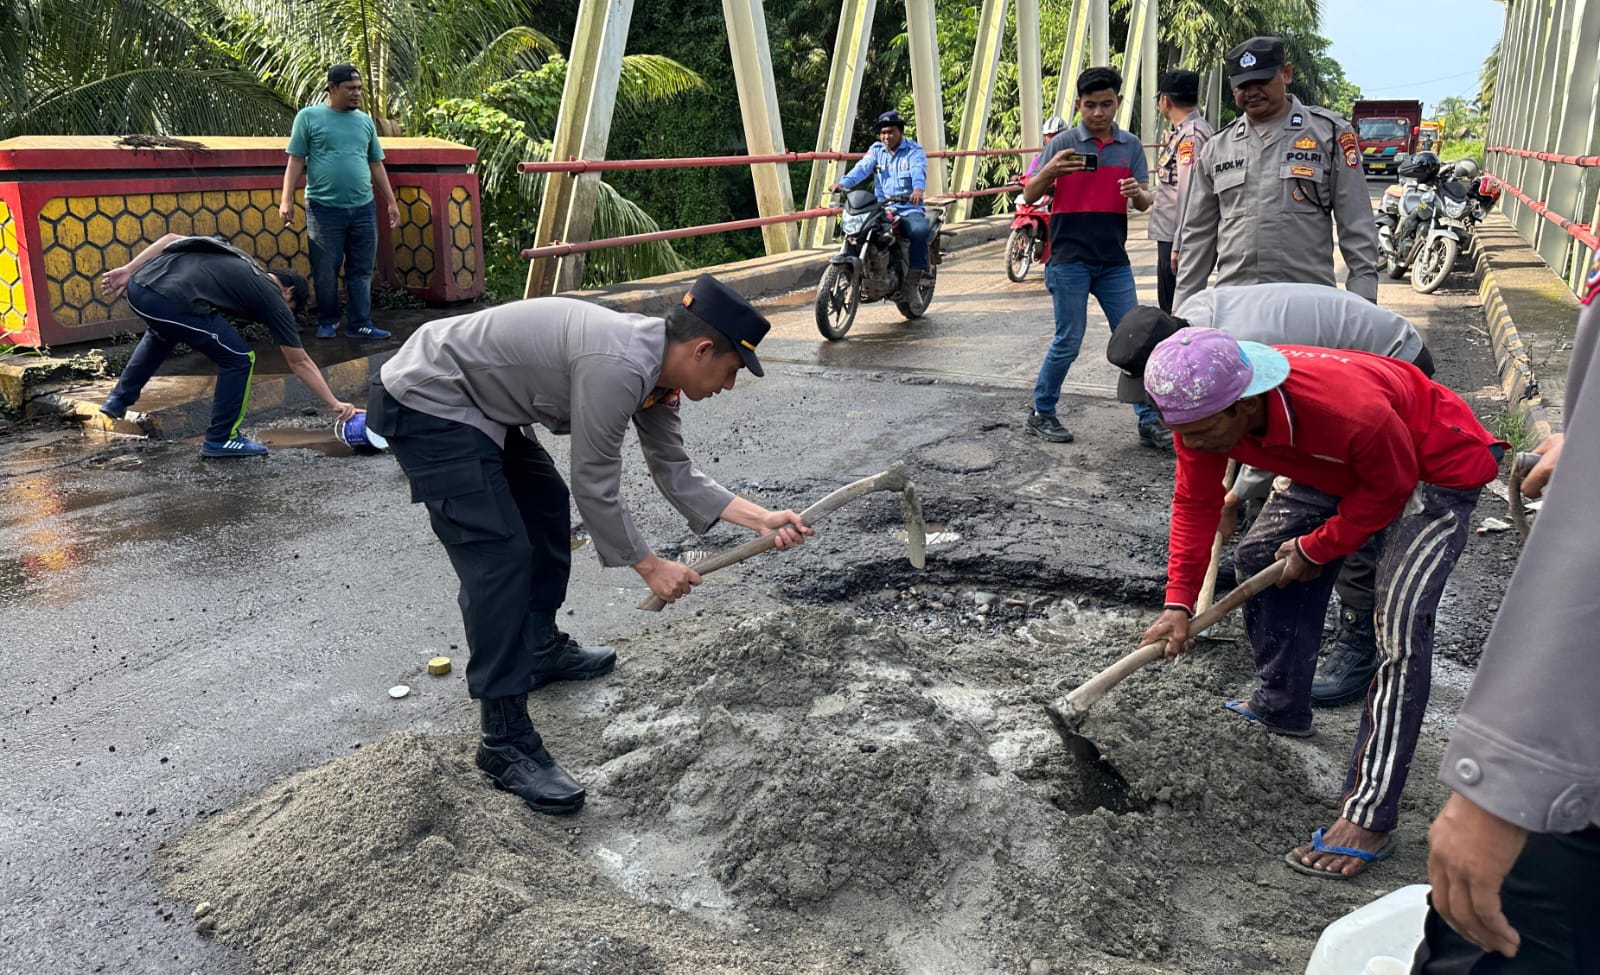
(180, 634)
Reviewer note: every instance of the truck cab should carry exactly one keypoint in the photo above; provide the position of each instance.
(1387, 132)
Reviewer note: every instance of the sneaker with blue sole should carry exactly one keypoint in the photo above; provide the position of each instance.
(366, 332)
(235, 447)
(327, 331)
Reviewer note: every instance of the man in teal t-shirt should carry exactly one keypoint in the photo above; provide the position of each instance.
(336, 147)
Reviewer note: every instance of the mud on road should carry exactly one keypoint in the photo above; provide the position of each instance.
(837, 764)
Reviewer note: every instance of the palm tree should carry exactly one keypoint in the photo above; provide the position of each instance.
(1488, 78)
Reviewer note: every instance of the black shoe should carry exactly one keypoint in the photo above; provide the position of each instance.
(1345, 673)
(913, 281)
(514, 756)
(1155, 435)
(571, 660)
(1048, 428)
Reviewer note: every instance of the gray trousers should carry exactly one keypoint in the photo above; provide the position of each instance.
(1415, 555)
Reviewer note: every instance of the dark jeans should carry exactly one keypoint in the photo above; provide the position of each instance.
(917, 234)
(1415, 555)
(1070, 285)
(170, 322)
(342, 237)
(1549, 898)
(1166, 278)
(502, 515)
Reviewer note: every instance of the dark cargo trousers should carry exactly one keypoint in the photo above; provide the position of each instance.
(502, 514)
(1415, 554)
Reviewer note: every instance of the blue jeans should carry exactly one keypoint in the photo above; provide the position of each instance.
(346, 236)
(916, 224)
(1070, 286)
(171, 322)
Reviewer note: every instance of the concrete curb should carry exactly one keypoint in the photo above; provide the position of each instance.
(275, 396)
(1529, 310)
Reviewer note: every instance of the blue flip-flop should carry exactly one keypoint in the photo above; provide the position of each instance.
(1242, 708)
(1367, 859)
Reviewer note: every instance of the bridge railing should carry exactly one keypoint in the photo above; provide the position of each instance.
(1582, 233)
(559, 249)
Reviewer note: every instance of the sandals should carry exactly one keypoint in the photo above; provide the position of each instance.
(1367, 859)
(1242, 708)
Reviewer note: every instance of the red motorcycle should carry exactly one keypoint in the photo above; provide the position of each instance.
(1029, 242)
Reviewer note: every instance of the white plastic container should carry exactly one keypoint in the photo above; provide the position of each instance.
(1378, 939)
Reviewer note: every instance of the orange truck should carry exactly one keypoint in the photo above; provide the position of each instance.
(1387, 131)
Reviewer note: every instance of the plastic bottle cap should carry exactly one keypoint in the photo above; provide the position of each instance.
(439, 666)
(399, 691)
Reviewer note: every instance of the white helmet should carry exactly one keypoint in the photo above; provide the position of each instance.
(1053, 124)
(1466, 169)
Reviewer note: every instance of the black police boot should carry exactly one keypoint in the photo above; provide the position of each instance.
(516, 759)
(1153, 434)
(1343, 675)
(567, 659)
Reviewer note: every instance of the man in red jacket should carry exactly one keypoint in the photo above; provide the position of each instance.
(1367, 445)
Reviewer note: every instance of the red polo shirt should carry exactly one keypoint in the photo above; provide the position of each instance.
(1361, 427)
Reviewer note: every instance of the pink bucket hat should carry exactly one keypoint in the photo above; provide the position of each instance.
(1200, 372)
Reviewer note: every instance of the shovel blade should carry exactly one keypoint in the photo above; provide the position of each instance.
(916, 528)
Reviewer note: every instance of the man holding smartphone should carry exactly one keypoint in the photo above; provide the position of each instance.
(1095, 171)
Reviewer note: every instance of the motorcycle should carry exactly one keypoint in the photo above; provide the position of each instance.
(1029, 241)
(873, 262)
(1426, 220)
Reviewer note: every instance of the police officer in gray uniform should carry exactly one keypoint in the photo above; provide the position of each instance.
(457, 404)
(1270, 187)
(1177, 95)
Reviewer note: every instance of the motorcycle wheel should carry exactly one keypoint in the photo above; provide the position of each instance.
(1019, 253)
(1393, 268)
(917, 305)
(1433, 265)
(838, 299)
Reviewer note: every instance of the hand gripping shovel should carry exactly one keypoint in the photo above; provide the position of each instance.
(894, 479)
(1068, 713)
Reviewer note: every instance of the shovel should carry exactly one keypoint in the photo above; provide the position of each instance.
(1068, 713)
(894, 479)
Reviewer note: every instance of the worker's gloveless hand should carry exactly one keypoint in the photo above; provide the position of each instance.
(790, 529)
(347, 410)
(1470, 851)
(1171, 626)
(1230, 516)
(1534, 484)
(668, 580)
(1297, 567)
(115, 281)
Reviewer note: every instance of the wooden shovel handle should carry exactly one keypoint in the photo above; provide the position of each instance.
(1208, 589)
(1095, 688)
(893, 479)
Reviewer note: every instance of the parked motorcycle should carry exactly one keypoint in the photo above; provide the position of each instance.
(1029, 241)
(1426, 220)
(873, 262)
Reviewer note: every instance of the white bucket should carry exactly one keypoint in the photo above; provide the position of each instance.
(1379, 938)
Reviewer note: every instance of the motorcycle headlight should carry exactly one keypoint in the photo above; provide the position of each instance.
(1453, 208)
(852, 222)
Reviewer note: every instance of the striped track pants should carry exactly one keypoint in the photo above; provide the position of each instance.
(1415, 555)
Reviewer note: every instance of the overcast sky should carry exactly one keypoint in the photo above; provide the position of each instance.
(1422, 49)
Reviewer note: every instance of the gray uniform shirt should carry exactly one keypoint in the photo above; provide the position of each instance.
(1175, 166)
(1527, 741)
(1299, 314)
(1263, 205)
(572, 368)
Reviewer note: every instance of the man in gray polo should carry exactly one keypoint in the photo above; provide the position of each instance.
(457, 404)
(1290, 314)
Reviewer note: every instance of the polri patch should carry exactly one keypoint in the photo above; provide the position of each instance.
(1352, 153)
(1186, 152)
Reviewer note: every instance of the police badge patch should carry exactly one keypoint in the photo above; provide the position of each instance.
(1186, 152)
(1248, 61)
(1352, 155)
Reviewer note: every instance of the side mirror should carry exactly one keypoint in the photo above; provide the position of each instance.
(1416, 130)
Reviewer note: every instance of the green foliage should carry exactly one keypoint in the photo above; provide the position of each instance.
(1450, 150)
(1488, 78)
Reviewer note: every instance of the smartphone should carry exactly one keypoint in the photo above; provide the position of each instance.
(1091, 161)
